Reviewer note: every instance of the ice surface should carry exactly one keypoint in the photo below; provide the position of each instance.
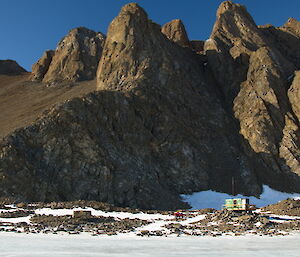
(16, 220)
(32, 245)
(211, 199)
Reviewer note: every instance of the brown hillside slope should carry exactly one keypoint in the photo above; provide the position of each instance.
(22, 101)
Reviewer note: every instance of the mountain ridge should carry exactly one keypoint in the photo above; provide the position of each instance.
(167, 117)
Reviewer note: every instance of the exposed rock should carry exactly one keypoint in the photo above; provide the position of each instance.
(175, 31)
(197, 45)
(40, 68)
(266, 118)
(75, 59)
(166, 85)
(289, 207)
(10, 67)
(292, 26)
(294, 94)
(164, 120)
(285, 41)
(236, 52)
(155, 129)
(234, 37)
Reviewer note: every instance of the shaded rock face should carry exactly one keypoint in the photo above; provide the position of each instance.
(175, 31)
(166, 120)
(197, 45)
(75, 58)
(285, 39)
(88, 164)
(10, 67)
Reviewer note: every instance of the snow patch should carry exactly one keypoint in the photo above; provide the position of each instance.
(212, 199)
(16, 220)
(118, 215)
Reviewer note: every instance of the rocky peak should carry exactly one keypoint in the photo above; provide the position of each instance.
(292, 26)
(234, 37)
(10, 67)
(164, 85)
(175, 31)
(133, 9)
(230, 6)
(130, 40)
(75, 58)
(235, 27)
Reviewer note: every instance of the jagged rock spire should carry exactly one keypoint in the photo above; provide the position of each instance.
(175, 31)
(75, 58)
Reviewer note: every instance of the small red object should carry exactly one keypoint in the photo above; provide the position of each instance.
(178, 214)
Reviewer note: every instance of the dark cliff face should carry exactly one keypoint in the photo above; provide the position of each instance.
(167, 119)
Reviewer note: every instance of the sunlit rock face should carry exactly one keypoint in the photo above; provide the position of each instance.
(75, 58)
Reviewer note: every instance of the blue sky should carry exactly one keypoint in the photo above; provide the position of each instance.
(29, 27)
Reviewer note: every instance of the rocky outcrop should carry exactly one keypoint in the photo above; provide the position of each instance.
(75, 58)
(166, 120)
(266, 119)
(175, 31)
(234, 37)
(155, 129)
(285, 39)
(10, 67)
(40, 68)
(294, 94)
(292, 26)
(254, 67)
(166, 85)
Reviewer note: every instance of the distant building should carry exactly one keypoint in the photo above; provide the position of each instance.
(238, 204)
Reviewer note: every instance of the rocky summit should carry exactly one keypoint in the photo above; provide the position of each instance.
(176, 32)
(168, 116)
(75, 58)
